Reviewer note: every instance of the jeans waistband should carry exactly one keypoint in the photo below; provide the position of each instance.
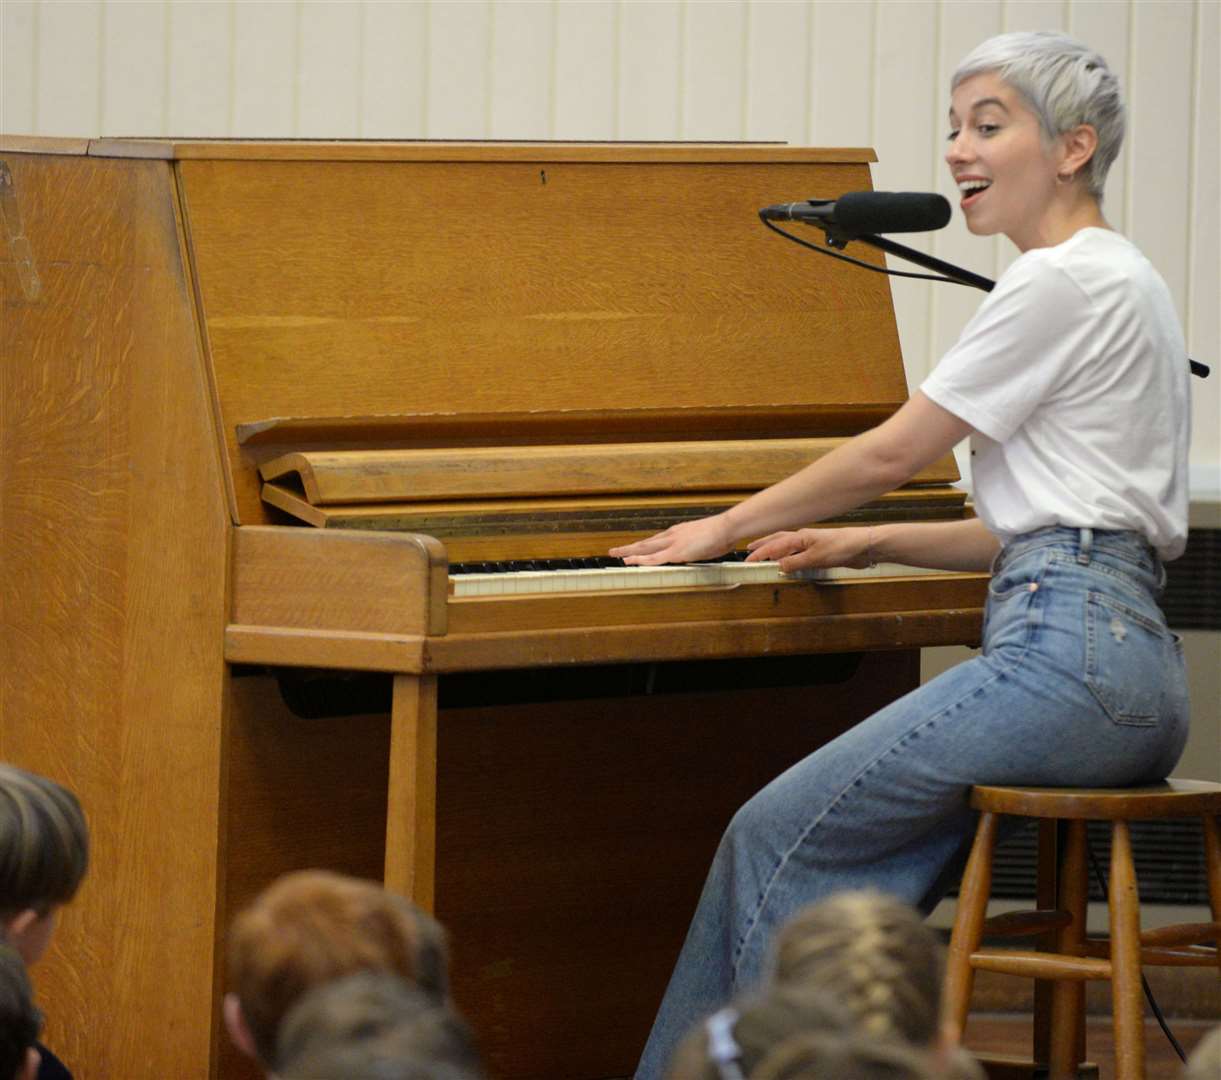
(1117, 548)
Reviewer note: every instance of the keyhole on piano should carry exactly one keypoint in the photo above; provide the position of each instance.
(542, 175)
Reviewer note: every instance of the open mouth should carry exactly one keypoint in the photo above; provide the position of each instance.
(971, 190)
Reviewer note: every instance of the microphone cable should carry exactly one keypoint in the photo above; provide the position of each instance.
(859, 262)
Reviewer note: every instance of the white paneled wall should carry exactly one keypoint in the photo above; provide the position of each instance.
(813, 72)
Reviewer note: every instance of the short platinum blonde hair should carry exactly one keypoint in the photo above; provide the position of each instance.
(1064, 82)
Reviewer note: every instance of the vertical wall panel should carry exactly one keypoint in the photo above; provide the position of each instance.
(459, 39)
(134, 70)
(952, 305)
(522, 76)
(69, 68)
(329, 84)
(395, 66)
(714, 92)
(905, 103)
(778, 89)
(1204, 257)
(18, 74)
(651, 60)
(1157, 197)
(586, 69)
(1036, 14)
(841, 82)
(200, 60)
(1103, 25)
(266, 46)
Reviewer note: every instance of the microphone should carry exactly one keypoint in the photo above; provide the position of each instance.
(864, 212)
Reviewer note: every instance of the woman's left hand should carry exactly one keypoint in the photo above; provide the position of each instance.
(806, 549)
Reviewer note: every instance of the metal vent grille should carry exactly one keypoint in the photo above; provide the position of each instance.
(1169, 857)
(1192, 600)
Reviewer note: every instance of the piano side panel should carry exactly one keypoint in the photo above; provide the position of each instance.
(338, 288)
(113, 545)
(572, 838)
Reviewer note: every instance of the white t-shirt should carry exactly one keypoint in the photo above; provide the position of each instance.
(1073, 373)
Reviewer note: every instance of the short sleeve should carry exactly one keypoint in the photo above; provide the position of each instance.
(1033, 331)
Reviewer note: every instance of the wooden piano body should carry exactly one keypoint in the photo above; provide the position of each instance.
(562, 346)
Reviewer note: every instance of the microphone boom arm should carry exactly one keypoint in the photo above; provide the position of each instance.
(949, 270)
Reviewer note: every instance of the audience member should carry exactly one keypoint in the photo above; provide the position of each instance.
(881, 961)
(828, 1055)
(19, 1020)
(875, 955)
(44, 853)
(1204, 1062)
(732, 1042)
(313, 927)
(374, 1026)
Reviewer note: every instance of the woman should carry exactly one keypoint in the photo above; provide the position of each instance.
(1071, 383)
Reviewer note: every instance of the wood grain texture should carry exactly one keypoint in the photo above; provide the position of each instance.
(345, 288)
(411, 809)
(113, 548)
(1174, 798)
(374, 476)
(368, 582)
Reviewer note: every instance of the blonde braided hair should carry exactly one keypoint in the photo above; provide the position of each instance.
(875, 955)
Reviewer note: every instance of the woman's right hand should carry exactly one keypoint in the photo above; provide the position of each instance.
(689, 541)
(807, 549)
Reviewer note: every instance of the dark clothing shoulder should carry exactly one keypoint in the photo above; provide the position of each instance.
(51, 1067)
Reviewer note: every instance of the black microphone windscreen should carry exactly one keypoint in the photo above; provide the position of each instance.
(862, 212)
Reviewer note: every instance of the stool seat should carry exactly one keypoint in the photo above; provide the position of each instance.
(1171, 798)
(1069, 957)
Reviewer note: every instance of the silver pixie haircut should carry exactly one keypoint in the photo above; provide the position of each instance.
(1064, 82)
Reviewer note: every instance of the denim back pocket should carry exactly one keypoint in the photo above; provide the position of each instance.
(1129, 660)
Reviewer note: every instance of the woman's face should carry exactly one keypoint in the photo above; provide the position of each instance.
(1006, 174)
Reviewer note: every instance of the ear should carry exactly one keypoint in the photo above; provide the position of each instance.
(235, 1024)
(18, 932)
(1077, 146)
(29, 1071)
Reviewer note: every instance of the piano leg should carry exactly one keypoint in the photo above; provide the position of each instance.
(411, 805)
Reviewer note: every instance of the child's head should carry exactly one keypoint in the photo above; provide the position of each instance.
(374, 1025)
(312, 927)
(1205, 1060)
(20, 1021)
(44, 852)
(830, 1055)
(875, 955)
(731, 1043)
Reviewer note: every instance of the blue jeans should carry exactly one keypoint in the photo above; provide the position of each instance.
(1078, 683)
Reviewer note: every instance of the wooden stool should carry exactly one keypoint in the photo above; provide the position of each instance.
(1063, 893)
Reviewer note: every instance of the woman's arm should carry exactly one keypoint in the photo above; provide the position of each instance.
(860, 470)
(940, 545)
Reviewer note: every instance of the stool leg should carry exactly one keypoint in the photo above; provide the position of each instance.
(1047, 898)
(1127, 1010)
(1068, 997)
(1212, 853)
(968, 928)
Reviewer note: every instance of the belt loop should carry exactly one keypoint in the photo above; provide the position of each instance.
(1086, 546)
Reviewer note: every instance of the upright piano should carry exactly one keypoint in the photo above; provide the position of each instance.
(258, 398)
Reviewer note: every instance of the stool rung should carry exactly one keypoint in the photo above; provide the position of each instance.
(1182, 934)
(1182, 956)
(1025, 923)
(1040, 965)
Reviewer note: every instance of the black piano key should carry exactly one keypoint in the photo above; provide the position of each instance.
(589, 562)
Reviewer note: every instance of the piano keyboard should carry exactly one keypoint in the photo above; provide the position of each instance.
(468, 582)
